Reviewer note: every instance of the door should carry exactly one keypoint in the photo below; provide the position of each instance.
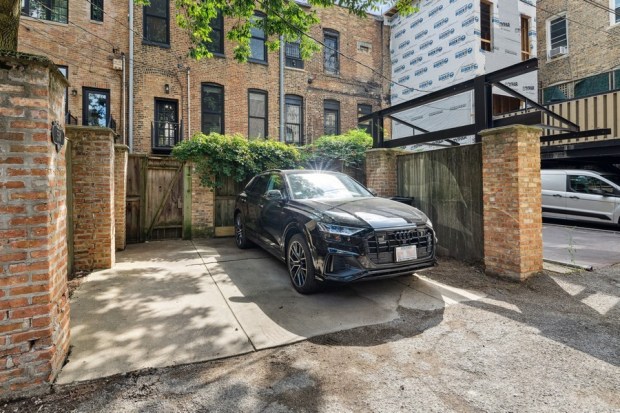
(166, 130)
(587, 199)
(255, 193)
(95, 107)
(554, 194)
(272, 216)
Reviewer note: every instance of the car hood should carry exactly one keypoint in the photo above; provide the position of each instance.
(373, 212)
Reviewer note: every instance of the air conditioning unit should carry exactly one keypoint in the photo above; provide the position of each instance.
(558, 51)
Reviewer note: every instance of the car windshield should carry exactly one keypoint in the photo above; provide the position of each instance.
(324, 185)
(613, 178)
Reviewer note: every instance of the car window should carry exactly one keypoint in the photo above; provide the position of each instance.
(258, 186)
(613, 178)
(323, 185)
(276, 182)
(589, 185)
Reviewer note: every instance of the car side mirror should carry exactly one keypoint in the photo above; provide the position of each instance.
(372, 191)
(274, 195)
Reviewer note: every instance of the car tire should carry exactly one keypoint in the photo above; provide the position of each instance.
(300, 265)
(241, 238)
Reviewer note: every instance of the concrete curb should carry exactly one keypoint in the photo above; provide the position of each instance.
(566, 264)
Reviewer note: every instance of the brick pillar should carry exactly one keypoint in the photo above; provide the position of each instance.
(121, 153)
(34, 309)
(92, 164)
(512, 201)
(381, 170)
(202, 200)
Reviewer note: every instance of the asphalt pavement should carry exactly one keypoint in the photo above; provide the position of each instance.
(581, 244)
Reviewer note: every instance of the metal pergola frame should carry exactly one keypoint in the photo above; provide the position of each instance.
(483, 116)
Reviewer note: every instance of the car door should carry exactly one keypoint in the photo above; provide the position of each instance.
(253, 202)
(554, 194)
(588, 199)
(273, 216)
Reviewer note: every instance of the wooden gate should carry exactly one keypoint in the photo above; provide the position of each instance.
(225, 206)
(154, 199)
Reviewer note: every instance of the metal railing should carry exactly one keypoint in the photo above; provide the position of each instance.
(164, 135)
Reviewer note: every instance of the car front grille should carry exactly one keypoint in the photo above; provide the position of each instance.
(380, 245)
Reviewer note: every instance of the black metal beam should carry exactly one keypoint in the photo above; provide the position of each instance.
(422, 100)
(530, 118)
(466, 130)
(509, 72)
(573, 135)
(411, 125)
(573, 127)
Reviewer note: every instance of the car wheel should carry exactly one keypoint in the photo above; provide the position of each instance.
(300, 265)
(240, 237)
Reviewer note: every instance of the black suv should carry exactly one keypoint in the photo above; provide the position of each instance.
(328, 227)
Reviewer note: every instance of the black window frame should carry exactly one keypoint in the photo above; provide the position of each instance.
(294, 100)
(221, 113)
(219, 28)
(260, 16)
(328, 52)
(292, 54)
(331, 105)
(85, 90)
(48, 8)
(96, 10)
(486, 26)
(264, 118)
(364, 109)
(163, 149)
(146, 15)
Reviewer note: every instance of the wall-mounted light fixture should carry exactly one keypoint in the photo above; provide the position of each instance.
(73, 92)
(166, 88)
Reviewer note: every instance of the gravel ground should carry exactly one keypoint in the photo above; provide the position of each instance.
(550, 344)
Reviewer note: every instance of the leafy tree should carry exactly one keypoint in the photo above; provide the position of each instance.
(9, 24)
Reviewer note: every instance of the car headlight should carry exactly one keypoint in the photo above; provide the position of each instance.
(337, 232)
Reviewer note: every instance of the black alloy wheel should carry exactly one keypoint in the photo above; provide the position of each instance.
(300, 265)
(240, 237)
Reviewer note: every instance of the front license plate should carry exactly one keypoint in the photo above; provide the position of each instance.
(406, 253)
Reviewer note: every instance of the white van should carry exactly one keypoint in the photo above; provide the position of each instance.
(581, 195)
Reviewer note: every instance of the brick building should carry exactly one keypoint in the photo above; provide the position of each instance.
(322, 95)
(89, 45)
(579, 75)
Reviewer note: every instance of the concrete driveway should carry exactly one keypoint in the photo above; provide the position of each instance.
(177, 302)
(581, 245)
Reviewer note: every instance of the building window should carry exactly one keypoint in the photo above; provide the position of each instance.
(257, 114)
(157, 22)
(212, 108)
(96, 10)
(331, 117)
(485, 26)
(292, 52)
(557, 36)
(258, 48)
(166, 127)
(615, 6)
(96, 107)
(294, 119)
(52, 10)
(525, 38)
(362, 110)
(217, 38)
(65, 72)
(330, 52)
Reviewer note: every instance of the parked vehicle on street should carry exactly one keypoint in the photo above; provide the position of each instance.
(328, 227)
(581, 195)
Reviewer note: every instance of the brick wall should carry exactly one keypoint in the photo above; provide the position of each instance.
(86, 47)
(203, 200)
(381, 170)
(157, 66)
(121, 153)
(592, 44)
(92, 163)
(34, 310)
(512, 201)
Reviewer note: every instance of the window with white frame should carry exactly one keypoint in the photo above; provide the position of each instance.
(557, 36)
(615, 6)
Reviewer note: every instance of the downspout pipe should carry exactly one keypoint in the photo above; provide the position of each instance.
(124, 99)
(189, 112)
(131, 59)
(282, 121)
